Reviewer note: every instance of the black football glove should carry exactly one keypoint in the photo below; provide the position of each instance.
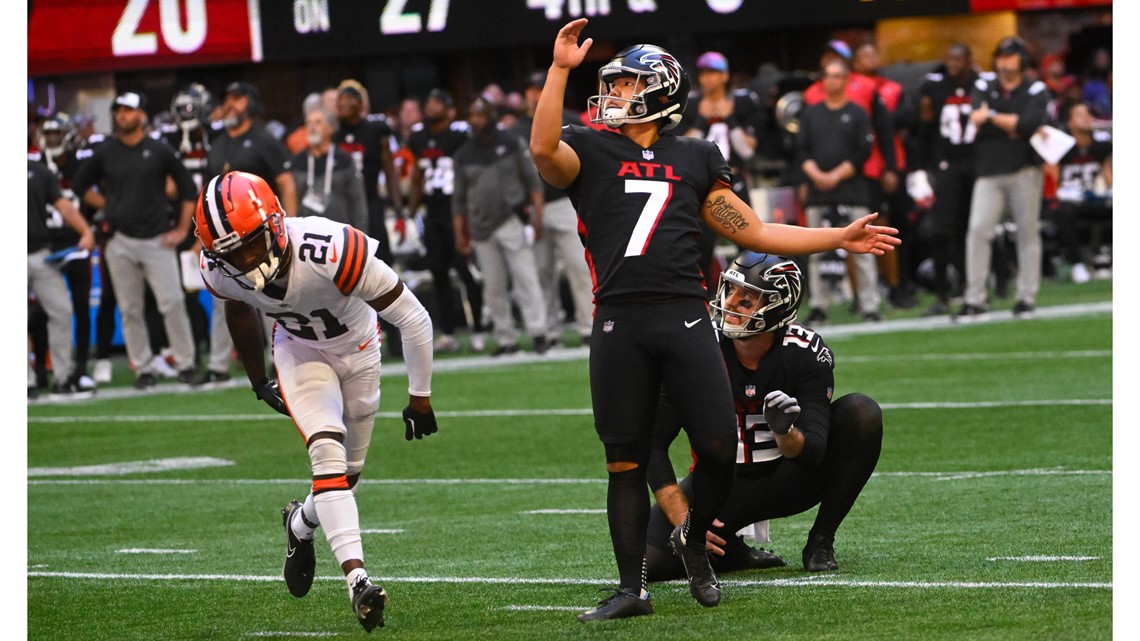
(268, 391)
(418, 424)
(780, 411)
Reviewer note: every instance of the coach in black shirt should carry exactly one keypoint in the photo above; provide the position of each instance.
(834, 140)
(130, 171)
(248, 147)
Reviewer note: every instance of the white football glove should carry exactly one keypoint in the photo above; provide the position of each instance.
(918, 186)
(780, 411)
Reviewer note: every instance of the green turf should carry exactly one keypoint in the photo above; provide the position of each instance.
(956, 486)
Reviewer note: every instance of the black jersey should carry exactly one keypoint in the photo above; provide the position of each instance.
(43, 192)
(193, 147)
(639, 212)
(746, 114)
(65, 168)
(952, 135)
(256, 151)
(435, 155)
(799, 364)
(364, 142)
(995, 152)
(133, 181)
(1081, 167)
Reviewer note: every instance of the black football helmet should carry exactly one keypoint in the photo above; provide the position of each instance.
(664, 97)
(777, 281)
(57, 134)
(191, 106)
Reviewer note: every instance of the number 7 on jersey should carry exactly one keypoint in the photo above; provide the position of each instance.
(659, 194)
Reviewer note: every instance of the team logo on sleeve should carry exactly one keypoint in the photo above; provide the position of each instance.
(830, 391)
(824, 356)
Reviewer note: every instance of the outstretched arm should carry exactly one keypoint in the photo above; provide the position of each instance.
(732, 218)
(556, 161)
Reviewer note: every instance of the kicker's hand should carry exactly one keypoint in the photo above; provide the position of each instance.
(419, 423)
(268, 391)
(780, 411)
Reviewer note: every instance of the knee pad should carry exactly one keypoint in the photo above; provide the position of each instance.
(328, 457)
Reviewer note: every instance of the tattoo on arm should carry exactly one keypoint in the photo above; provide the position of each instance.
(724, 213)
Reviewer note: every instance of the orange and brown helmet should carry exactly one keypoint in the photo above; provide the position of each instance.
(241, 225)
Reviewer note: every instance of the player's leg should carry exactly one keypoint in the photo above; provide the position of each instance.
(524, 280)
(495, 290)
(1025, 201)
(696, 382)
(854, 442)
(160, 266)
(129, 283)
(986, 207)
(624, 387)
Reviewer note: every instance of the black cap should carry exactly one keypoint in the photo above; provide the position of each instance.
(129, 99)
(242, 89)
(1010, 46)
(441, 95)
(536, 79)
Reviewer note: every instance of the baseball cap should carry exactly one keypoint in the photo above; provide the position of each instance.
(712, 60)
(242, 89)
(353, 88)
(441, 95)
(1010, 46)
(536, 79)
(129, 99)
(841, 48)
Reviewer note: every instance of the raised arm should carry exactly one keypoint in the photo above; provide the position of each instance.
(729, 216)
(557, 162)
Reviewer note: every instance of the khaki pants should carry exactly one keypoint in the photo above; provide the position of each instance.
(1020, 193)
(47, 283)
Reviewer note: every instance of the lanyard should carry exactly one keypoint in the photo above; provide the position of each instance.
(328, 173)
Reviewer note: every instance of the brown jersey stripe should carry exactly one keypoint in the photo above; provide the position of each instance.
(352, 267)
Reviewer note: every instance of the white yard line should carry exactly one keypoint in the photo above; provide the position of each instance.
(940, 476)
(574, 411)
(830, 582)
(154, 551)
(382, 531)
(543, 608)
(563, 512)
(1043, 559)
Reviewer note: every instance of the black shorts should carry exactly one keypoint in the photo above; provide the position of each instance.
(636, 349)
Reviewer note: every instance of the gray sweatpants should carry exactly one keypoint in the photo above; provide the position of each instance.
(1020, 192)
(134, 262)
(50, 288)
(560, 244)
(506, 255)
(866, 268)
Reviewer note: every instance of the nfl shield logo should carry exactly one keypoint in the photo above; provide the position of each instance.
(647, 154)
(750, 390)
(608, 326)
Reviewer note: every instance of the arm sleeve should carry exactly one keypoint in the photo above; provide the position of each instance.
(884, 123)
(1033, 115)
(187, 189)
(864, 139)
(814, 393)
(407, 313)
(87, 175)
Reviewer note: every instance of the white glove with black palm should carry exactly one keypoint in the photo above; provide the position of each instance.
(780, 411)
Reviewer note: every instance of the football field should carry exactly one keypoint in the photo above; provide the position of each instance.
(157, 516)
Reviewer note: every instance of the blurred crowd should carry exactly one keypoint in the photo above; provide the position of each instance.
(948, 156)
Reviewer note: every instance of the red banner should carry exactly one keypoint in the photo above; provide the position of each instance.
(84, 36)
(1034, 5)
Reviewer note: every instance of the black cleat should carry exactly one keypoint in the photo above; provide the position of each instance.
(368, 603)
(819, 554)
(739, 555)
(702, 580)
(146, 380)
(622, 604)
(300, 561)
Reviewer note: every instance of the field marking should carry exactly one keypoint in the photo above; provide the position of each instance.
(982, 356)
(133, 467)
(543, 608)
(154, 551)
(589, 511)
(290, 634)
(941, 476)
(811, 581)
(382, 531)
(506, 413)
(1040, 558)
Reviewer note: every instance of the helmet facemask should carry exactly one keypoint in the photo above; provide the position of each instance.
(253, 260)
(662, 95)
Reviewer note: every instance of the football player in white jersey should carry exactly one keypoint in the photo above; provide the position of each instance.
(324, 285)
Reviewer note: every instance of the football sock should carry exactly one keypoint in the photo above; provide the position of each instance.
(627, 509)
(305, 520)
(341, 522)
(353, 576)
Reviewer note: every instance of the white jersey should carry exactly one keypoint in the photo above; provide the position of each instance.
(333, 271)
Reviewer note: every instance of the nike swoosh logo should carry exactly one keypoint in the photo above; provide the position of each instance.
(289, 555)
(332, 259)
(361, 346)
(691, 323)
